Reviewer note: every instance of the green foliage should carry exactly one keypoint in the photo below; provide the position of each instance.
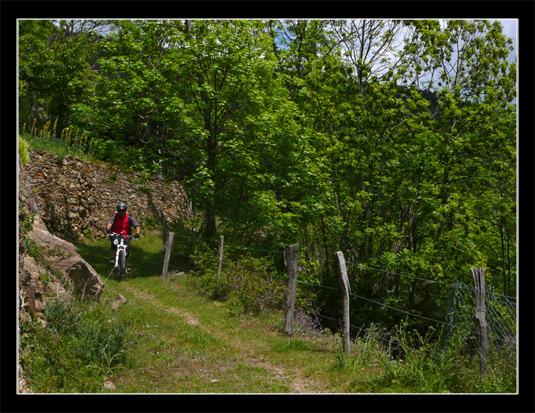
(249, 284)
(23, 151)
(75, 351)
(55, 72)
(392, 141)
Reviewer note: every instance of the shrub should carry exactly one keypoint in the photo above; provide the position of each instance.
(256, 283)
(63, 316)
(102, 343)
(76, 349)
(250, 282)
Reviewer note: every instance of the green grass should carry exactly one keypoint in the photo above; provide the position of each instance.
(187, 342)
(79, 146)
(183, 341)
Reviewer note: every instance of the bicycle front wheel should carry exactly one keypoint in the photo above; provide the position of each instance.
(116, 273)
(122, 265)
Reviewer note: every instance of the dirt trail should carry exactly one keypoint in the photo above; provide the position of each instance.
(291, 377)
(151, 298)
(298, 384)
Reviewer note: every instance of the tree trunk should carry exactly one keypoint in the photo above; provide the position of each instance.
(209, 220)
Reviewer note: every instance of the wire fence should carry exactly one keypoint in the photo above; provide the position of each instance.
(501, 310)
(501, 313)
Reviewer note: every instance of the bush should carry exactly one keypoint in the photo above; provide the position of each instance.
(63, 316)
(256, 284)
(102, 343)
(75, 351)
(251, 283)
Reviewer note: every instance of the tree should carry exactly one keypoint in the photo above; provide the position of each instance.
(206, 102)
(410, 147)
(393, 141)
(55, 69)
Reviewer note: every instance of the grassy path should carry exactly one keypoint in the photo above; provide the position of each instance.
(185, 342)
(191, 345)
(188, 343)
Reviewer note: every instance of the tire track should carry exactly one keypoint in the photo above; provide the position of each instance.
(298, 384)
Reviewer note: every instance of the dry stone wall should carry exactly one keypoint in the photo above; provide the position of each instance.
(49, 267)
(75, 196)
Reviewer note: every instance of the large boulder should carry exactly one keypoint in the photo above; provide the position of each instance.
(64, 257)
(32, 292)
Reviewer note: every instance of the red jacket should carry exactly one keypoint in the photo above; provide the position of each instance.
(123, 225)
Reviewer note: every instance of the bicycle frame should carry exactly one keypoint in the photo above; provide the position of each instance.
(119, 267)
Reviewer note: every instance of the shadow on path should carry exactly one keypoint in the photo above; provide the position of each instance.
(141, 263)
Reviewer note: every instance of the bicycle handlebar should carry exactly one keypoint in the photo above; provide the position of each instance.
(113, 234)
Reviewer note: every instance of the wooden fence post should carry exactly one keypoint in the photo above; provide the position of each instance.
(220, 258)
(167, 255)
(164, 229)
(341, 270)
(484, 339)
(290, 255)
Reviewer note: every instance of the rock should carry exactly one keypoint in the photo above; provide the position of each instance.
(32, 296)
(64, 256)
(109, 385)
(39, 306)
(95, 190)
(31, 270)
(23, 388)
(121, 298)
(86, 281)
(44, 238)
(56, 289)
(32, 293)
(118, 301)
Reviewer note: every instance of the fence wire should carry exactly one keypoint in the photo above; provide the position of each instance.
(501, 310)
(500, 313)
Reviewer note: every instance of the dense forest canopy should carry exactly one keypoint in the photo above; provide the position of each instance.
(393, 141)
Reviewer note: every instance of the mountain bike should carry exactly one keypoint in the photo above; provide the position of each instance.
(119, 267)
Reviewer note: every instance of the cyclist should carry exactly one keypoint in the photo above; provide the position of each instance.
(122, 223)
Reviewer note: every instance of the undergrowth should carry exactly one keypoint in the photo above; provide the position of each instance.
(249, 284)
(208, 345)
(79, 346)
(74, 142)
(411, 362)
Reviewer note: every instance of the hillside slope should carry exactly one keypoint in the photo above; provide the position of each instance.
(179, 340)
